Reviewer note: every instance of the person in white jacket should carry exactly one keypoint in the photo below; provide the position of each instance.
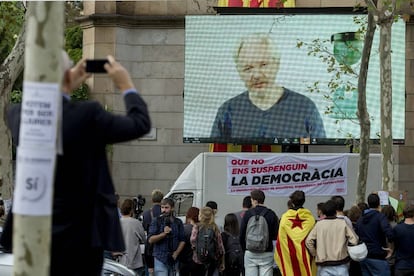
(328, 240)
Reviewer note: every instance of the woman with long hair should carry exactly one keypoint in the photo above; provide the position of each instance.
(234, 254)
(187, 265)
(207, 225)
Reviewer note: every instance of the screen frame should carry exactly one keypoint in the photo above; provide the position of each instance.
(229, 11)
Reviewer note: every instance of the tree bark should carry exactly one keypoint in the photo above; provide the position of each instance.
(386, 104)
(385, 11)
(9, 72)
(43, 54)
(363, 116)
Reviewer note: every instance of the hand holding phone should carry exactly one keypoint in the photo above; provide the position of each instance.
(96, 65)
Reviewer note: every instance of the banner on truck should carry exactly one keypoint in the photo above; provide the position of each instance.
(280, 175)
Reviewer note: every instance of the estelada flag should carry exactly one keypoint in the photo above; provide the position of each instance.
(291, 254)
(244, 148)
(232, 148)
(257, 3)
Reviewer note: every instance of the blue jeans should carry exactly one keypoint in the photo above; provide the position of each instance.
(161, 269)
(258, 264)
(335, 270)
(375, 267)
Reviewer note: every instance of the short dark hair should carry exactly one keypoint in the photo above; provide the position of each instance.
(362, 206)
(247, 202)
(329, 208)
(127, 207)
(212, 204)
(408, 211)
(297, 198)
(168, 201)
(258, 195)
(319, 206)
(339, 201)
(389, 212)
(373, 201)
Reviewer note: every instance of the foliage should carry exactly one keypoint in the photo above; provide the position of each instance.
(16, 96)
(12, 19)
(73, 9)
(344, 76)
(80, 94)
(73, 42)
(73, 46)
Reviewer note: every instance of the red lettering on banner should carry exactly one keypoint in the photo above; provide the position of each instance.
(239, 171)
(257, 161)
(239, 162)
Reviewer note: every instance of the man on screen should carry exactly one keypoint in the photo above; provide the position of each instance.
(265, 110)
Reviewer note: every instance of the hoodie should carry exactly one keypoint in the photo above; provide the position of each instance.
(374, 229)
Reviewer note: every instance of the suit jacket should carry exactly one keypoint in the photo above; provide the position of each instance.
(85, 211)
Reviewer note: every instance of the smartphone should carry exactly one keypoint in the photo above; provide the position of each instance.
(96, 65)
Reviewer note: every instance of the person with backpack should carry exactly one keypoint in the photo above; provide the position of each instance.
(187, 265)
(166, 233)
(259, 229)
(207, 244)
(233, 258)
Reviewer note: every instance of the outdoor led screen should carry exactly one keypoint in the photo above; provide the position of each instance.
(225, 58)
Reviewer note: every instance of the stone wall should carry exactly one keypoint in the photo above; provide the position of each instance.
(404, 155)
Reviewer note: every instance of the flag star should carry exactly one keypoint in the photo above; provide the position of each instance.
(297, 222)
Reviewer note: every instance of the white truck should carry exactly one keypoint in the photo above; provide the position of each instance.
(206, 178)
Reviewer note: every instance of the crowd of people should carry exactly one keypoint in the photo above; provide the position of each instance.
(254, 241)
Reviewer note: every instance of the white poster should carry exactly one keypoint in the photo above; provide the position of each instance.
(34, 180)
(280, 175)
(383, 195)
(39, 114)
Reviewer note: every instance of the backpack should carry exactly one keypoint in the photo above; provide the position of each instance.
(257, 233)
(206, 245)
(234, 253)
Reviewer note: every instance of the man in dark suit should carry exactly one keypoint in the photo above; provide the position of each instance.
(85, 219)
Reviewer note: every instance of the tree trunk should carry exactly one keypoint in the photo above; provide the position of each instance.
(9, 72)
(363, 116)
(32, 223)
(386, 105)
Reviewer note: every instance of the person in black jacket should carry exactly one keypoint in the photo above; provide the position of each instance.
(374, 229)
(187, 266)
(259, 263)
(154, 212)
(233, 257)
(85, 219)
(404, 243)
